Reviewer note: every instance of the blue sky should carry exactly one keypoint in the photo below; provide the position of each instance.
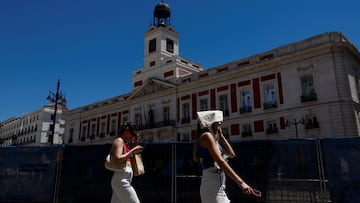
(92, 46)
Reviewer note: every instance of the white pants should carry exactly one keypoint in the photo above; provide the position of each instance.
(123, 192)
(212, 188)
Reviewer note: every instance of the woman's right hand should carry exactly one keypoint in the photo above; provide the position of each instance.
(137, 149)
(246, 189)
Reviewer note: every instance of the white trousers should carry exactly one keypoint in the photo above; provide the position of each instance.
(123, 192)
(212, 188)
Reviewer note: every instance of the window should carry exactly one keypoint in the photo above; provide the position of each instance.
(270, 97)
(138, 120)
(83, 133)
(71, 136)
(223, 104)
(152, 45)
(246, 130)
(125, 119)
(102, 129)
(245, 101)
(271, 127)
(170, 45)
(270, 94)
(166, 113)
(307, 87)
(113, 130)
(357, 83)
(185, 113)
(311, 122)
(204, 105)
(185, 137)
(93, 128)
(225, 132)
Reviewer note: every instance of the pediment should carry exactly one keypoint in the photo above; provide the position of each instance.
(151, 86)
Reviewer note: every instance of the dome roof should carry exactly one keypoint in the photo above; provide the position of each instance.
(162, 10)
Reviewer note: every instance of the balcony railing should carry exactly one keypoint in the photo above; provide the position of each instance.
(309, 97)
(272, 130)
(270, 105)
(245, 109)
(185, 120)
(157, 124)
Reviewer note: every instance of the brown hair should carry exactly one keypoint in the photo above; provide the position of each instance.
(130, 127)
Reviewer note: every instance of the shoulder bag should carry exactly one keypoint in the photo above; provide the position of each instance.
(137, 165)
(112, 164)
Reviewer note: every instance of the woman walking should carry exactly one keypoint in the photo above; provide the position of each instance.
(123, 192)
(212, 148)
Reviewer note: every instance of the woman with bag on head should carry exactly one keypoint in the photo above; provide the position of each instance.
(212, 148)
(123, 192)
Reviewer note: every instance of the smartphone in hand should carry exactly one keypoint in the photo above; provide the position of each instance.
(256, 193)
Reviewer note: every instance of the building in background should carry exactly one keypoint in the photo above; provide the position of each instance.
(306, 89)
(34, 128)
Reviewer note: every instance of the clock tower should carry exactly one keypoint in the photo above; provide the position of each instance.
(161, 51)
(161, 40)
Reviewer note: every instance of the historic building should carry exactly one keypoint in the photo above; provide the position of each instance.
(34, 128)
(305, 89)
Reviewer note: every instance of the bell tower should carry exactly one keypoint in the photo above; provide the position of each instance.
(161, 52)
(161, 40)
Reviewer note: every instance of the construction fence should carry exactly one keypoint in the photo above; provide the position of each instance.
(311, 170)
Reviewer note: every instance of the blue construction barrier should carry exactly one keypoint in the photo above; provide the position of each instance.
(342, 162)
(27, 174)
(284, 170)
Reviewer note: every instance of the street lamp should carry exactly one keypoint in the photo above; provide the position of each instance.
(56, 98)
(296, 123)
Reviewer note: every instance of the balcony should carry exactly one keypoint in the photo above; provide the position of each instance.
(270, 105)
(309, 97)
(272, 130)
(157, 124)
(82, 138)
(245, 109)
(185, 120)
(246, 134)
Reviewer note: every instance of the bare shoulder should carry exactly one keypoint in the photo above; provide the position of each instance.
(206, 139)
(118, 141)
